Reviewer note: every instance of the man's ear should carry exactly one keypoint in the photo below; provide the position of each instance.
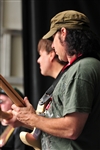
(63, 33)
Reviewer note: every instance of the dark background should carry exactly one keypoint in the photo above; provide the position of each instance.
(36, 16)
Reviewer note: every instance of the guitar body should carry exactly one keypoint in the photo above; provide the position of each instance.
(33, 139)
(28, 139)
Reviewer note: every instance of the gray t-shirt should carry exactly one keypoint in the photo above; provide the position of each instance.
(77, 91)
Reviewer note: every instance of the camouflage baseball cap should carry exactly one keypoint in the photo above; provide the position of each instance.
(69, 19)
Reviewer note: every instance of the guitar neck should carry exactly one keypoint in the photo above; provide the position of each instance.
(5, 115)
(9, 90)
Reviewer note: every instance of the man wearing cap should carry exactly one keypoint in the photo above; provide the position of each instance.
(72, 121)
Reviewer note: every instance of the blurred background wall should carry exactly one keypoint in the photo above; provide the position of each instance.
(11, 51)
(22, 24)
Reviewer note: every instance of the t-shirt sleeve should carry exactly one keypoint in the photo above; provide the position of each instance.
(77, 97)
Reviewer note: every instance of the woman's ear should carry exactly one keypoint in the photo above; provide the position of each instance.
(52, 55)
